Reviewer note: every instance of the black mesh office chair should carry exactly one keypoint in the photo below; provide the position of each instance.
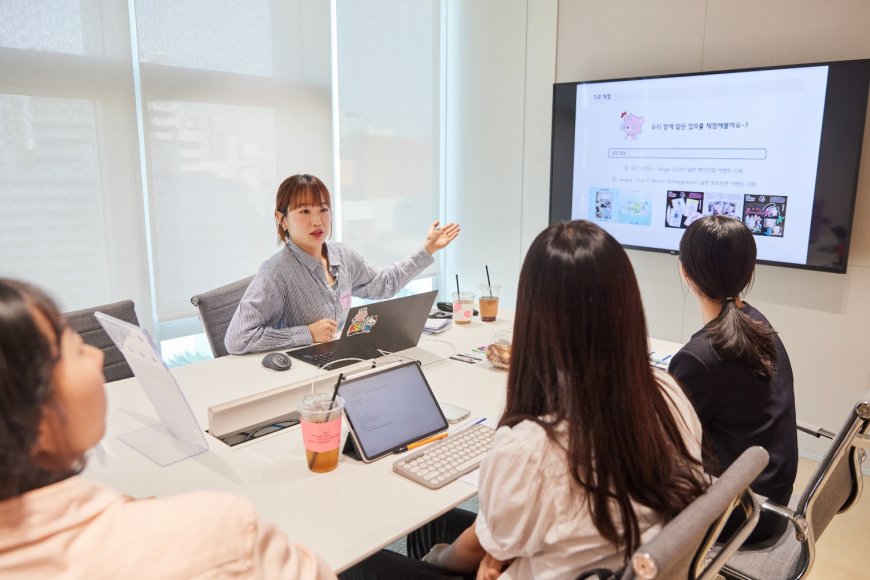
(835, 486)
(84, 322)
(216, 308)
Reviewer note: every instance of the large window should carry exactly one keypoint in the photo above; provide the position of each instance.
(389, 124)
(236, 96)
(70, 203)
(143, 141)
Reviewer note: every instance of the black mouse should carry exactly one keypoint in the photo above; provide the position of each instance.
(277, 361)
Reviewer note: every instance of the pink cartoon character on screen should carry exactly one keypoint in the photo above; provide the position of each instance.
(632, 125)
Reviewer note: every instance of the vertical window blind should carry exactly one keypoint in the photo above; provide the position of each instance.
(194, 112)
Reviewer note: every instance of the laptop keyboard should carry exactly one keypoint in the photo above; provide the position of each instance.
(440, 463)
(320, 359)
(324, 358)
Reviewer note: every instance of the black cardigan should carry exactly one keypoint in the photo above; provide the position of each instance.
(738, 410)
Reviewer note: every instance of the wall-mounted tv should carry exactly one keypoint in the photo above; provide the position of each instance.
(778, 148)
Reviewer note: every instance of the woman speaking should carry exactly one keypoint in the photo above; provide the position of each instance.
(300, 294)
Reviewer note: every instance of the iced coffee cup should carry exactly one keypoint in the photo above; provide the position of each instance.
(320, 418)
(463, 307)
(488, 301)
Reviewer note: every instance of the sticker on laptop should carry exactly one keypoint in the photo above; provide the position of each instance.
(362, 323)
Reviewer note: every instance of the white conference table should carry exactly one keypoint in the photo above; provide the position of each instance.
(344, 515)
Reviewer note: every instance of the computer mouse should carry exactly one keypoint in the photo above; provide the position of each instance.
(277, 361)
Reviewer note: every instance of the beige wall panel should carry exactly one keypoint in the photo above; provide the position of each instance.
(601, 39)
(747, 33)
(822, 318)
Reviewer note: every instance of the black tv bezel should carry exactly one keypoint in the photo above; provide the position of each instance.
(560, 205)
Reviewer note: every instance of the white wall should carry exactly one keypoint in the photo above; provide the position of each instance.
(822, 318)
(500, 69)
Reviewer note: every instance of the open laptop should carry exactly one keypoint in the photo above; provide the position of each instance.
(373, 330)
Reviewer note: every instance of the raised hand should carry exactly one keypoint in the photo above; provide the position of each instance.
(438, 237)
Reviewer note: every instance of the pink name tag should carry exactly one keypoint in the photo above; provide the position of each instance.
(345, 300)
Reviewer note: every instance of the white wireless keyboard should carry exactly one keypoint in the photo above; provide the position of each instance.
(440, 463)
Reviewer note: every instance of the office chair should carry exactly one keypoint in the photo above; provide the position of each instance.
(835, 486)
(84, 322)
(216, 309)
(682, 549)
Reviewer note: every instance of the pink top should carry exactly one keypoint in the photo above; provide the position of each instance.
(79, 529)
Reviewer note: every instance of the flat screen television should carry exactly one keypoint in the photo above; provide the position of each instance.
(778, 148)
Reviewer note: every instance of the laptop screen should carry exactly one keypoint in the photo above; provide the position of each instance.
(389, 409)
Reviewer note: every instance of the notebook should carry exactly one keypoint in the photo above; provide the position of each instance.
(389, 409)
(373, 330)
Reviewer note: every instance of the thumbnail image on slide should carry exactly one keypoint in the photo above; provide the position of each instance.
(635, 209)
(765, 214)
(683, 208)
(602, 199)
(607, 204)
(727, 204)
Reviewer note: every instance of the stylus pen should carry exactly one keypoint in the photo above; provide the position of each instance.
(421, 442)
(477, 421)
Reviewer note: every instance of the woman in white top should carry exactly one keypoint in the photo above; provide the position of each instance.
(595, 450)
(54, 523)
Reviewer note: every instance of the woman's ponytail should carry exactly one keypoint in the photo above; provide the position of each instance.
(717, 254)
(737, 337)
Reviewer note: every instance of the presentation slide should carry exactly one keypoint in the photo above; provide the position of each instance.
(654, 155)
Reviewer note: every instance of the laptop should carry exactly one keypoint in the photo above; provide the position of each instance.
(373, 330)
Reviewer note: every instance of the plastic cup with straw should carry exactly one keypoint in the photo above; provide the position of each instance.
(320, 418)
(463, 305)
(488, 299)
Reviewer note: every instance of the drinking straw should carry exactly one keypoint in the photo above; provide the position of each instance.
(457, 283)
(488, 282)
(334, 394)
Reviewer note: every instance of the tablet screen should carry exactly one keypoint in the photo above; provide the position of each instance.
(389, 409)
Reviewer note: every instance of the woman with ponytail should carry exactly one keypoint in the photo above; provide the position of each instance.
(735, 369)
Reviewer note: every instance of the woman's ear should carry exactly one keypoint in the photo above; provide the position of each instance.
(47, 447)
(686, 279)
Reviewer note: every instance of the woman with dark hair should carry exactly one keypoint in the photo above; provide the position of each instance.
(595, 450)
(52, 522)
(303, 292)
(735, 369)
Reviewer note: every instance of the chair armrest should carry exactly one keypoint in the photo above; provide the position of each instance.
(861, 441)
(814, 430)
(798, 521)
(780, 510)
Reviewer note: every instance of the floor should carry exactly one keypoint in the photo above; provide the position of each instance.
(841, 552)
